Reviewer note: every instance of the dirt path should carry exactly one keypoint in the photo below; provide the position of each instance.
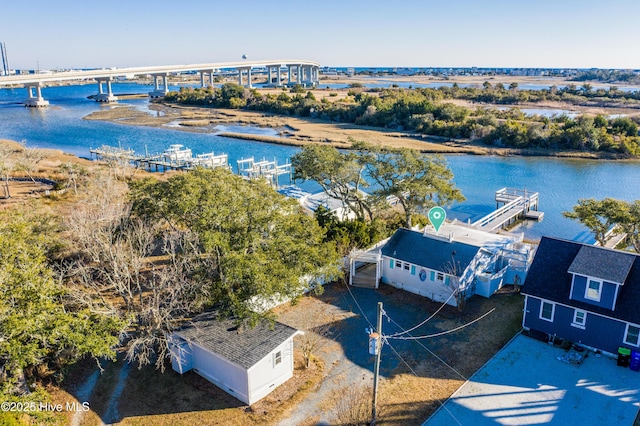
(111, 414)
(342, 373)
(342, 369)
(83, 394)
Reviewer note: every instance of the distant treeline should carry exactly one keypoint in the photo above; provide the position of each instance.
(426, 111)
(609, 76)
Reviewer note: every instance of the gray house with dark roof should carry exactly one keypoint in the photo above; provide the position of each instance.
(584, 294)
(247, 363)
(451, 267)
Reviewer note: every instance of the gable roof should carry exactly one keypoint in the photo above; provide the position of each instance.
(428, 250)
(608, 265)
(244, 348)
(549, 278)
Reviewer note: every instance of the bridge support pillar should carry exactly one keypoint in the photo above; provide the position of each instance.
(241, 71)
(36, 101)
(102, 96)
(161, 89)
(204, 76)
(278, 75)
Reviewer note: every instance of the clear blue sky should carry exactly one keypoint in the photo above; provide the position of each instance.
(458, 33)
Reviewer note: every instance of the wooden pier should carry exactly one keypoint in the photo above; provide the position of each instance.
(161, 161)
(516, 204)
(177, 158)
(265, 169)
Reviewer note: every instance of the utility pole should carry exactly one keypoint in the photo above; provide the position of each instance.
(376, 368)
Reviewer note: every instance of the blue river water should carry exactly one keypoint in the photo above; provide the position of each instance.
(560, 182)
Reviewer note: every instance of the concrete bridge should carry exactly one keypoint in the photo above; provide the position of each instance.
(287, 72)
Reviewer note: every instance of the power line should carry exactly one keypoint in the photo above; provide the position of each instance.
(425, 321)
(359, 307)
(432, 353)
(442, 333)
(415, 374)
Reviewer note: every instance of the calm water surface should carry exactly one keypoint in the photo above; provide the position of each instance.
(561, 182)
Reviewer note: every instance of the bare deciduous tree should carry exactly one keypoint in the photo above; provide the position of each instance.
(317, 328)
(459, 289)
(352, 405)
(7, 165)
(73, 172)
(169, 295)
(116, 260)
(28, 160)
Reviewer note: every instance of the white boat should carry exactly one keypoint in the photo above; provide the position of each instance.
(176, 152)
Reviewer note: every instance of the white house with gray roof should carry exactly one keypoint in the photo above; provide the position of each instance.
(247, 363)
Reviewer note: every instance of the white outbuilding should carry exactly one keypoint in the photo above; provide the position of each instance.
(245, 362)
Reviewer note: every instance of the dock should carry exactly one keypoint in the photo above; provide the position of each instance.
(172, 159)
(176, 157)
(516, 204)
(614, 237)
(269, 170)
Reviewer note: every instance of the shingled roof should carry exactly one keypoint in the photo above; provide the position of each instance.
(245, 346)
(549, 276)
(429, 251)
(608, 265)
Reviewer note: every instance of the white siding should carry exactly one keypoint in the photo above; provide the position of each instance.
(226, 375)
(181, 356)
(402, 278)
(265, 376)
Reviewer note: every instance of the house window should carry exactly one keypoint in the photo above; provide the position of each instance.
(579, 319)
(440, 276)
(406, 266)
(546, 311)
(398, 264)
(594, 289)
(277, 358)
(631, 335)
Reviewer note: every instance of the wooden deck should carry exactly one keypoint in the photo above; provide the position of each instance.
(517, 204)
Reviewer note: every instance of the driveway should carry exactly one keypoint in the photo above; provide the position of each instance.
(526, 383)
(415, 374)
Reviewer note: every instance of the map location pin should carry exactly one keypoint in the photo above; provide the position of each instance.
(437, 215)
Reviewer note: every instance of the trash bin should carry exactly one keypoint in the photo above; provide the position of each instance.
(624, 355)
(634, 363)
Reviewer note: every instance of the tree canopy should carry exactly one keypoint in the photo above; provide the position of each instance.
(41, 322)
(417, 181)
(600, 216)
(253, 242)
(425, 110)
